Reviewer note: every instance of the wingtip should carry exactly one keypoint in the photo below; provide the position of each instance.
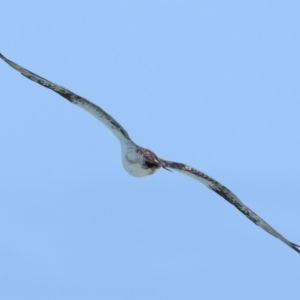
(3, 57)
(295, 247)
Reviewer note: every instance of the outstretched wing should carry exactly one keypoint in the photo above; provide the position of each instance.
(229, 196)
(90, 107)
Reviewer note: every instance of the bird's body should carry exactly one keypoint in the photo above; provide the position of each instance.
(139, 161)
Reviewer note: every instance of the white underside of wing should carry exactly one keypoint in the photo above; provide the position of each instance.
(102, 116)
(230, 197)
(88, 106)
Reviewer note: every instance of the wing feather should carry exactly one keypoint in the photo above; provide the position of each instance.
(90, 107)
(229, 196)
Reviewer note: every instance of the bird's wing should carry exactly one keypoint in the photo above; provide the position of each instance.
(90, 107)
(227, 195)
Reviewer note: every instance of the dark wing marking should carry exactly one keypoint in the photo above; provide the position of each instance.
(90, 107)
(229, 196)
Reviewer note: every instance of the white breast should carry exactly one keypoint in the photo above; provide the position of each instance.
(133, 162)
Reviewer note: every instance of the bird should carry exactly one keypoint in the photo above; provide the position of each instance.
(140, 162)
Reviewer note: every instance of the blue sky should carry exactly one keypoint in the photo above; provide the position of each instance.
(214, 84)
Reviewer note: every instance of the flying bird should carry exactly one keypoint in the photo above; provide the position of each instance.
(140, 162)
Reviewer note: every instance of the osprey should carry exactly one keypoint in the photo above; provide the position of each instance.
(140, 162)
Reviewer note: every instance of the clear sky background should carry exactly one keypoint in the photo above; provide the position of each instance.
(214, 84)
